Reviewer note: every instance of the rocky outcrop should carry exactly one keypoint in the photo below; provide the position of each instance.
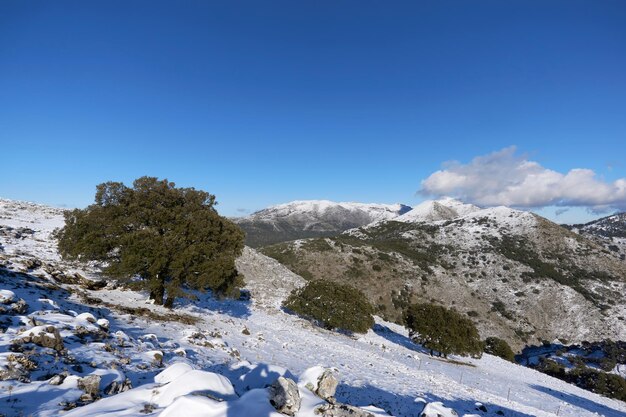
(284, 396)
(44, 336)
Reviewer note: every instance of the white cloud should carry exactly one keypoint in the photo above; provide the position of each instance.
(506, 178)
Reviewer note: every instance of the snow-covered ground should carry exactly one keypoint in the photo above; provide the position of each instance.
(233, 350)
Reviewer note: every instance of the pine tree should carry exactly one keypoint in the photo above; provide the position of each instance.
(442, 330)
(169, 238)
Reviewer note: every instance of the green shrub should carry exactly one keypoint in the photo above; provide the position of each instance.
(334, 306)
(498, 347)
(442, 330)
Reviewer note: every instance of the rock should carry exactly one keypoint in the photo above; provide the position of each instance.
(116, 387)
(91, 386)
(104, 324)
(437, 409)
(31, 263)
(19, 307)
(327, 385)
(57, 379)
(284, 396)
(88, 317)
(18, 367)
(341, 410)
(50, 339)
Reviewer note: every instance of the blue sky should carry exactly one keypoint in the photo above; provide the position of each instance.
(266, 102)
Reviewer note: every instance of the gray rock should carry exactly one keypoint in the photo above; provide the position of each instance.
(116, 387)
(341, 410)
(327, 385)
(19, 307)
(91, 386)
(284, 396)
(57, 379)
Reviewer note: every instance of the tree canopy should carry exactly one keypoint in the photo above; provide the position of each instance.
(161, 237)
(334, 306)
(442, 330)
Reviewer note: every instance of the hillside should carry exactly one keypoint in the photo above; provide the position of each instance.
(609, 232)
(517, 275)
(212, 357)
(313, 218)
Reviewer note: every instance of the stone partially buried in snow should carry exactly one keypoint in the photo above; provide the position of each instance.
(342, 410)
(437, 409)
(6, 296)
(196, 382)
(284, 396)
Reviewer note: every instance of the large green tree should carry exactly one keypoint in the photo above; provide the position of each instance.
(157, 236)
(442, 330)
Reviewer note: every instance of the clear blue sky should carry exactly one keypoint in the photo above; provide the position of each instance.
(266, 102)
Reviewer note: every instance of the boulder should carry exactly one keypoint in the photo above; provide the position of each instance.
(91, 386)
(284, 396)
(327, 385)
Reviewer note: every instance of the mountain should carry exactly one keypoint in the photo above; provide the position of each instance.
(312, 218)
(435, 210)
(609, 232)
(519, 276)
(77, 344)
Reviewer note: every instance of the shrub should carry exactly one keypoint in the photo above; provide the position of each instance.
(498, 347)
(332, 305)
(443, 330)
(169, 237)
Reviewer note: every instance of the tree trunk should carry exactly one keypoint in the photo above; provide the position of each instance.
(157, 294)
(169, 301)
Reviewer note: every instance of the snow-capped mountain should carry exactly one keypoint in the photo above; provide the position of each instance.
(436, 210)
(68, 348)
(312, 218)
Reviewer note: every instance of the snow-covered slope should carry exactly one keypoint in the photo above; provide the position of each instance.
(232, 350)
(312, 218)
(609, 232)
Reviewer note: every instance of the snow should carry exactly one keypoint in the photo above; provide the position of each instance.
(381, 371)
(436, 210)
(6, 296)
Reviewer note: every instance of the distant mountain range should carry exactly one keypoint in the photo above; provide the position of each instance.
(312, 218)
(519, 276)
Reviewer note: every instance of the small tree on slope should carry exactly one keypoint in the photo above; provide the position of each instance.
(168, 237)
(334, 306)
(442, 330)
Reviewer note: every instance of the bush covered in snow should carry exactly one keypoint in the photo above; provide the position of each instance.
(442, 330)
(334, 306)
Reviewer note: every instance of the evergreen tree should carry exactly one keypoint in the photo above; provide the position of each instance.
(334, 306)
(170, 238)
(498, 347)
(442, 330)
